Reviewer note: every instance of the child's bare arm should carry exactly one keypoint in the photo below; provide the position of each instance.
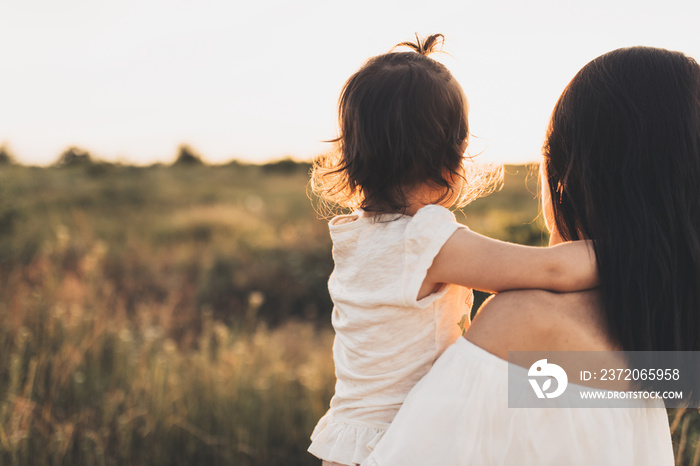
(470, 259)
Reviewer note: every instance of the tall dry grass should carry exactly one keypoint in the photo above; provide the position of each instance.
(84, 382)
(151, 316)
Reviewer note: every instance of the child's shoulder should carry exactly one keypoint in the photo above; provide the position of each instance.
(343, 219)
(435, 211)
(427, 217)
(346, 222)
(431, 217)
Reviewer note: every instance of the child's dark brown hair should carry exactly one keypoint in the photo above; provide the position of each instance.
(403, 123)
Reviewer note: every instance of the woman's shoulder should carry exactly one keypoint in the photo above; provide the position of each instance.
(537, 320)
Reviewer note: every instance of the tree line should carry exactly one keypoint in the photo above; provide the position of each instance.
(186, 156)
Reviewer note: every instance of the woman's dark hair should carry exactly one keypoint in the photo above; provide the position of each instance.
(622, 162)
(403, 121)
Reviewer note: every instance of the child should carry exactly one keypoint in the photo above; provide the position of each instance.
(403, 264)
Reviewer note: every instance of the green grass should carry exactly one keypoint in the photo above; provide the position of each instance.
(179, 315)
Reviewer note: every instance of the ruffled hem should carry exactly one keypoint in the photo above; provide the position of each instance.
(342, 441)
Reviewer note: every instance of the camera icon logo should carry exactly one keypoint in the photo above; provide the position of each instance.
(542, 369)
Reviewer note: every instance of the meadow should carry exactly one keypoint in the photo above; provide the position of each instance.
(179, 315)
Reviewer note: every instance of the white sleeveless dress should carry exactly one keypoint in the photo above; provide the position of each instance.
(458, 415)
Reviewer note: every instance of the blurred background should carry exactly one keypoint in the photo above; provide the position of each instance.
(162, 267)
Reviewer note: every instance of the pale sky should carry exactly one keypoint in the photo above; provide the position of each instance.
(130, 80)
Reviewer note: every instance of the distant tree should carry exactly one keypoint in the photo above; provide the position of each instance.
(6, 157)
(73, 156)
(187, 156)
(235, 163)
(286, 166)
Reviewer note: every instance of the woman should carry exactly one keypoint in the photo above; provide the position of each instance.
(621, 167)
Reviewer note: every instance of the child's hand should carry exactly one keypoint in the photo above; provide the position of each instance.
(577, 264)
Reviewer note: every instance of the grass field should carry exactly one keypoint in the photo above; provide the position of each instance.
(179, 315)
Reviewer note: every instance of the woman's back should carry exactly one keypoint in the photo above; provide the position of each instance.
(536, 320)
